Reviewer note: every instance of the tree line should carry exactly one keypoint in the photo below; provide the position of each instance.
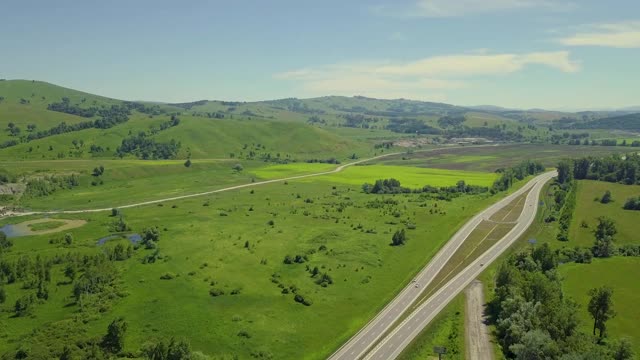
(145, 147)
(615, 168)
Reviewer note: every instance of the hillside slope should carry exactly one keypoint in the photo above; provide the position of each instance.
(33, 130)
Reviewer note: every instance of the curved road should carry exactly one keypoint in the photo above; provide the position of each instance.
(402, 335)
(359, 344)
(336, 170)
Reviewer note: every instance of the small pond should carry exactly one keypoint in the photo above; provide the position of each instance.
(25, 228)
(12, 230)
(133, 238)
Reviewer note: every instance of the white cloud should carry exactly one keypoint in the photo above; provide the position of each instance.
(452, 8)
(616, 35)
(421, 77)
(470, 65)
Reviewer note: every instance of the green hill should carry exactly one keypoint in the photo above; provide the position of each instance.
(44, 121)
(623, 122)
(31, 113)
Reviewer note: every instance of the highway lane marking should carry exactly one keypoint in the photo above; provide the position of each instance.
(469, 272)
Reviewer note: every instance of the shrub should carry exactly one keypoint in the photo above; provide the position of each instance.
(399, 238)
(168, 276)
(632, 203)
(303, 300)
(216, 292)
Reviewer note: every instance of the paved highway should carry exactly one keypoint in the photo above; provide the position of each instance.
(360, 343)
(402, 335)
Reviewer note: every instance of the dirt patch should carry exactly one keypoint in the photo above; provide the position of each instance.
(477, 332)
(24, 229)
(413, 142)
(11, 189)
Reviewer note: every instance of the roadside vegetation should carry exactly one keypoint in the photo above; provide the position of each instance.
(593, 244)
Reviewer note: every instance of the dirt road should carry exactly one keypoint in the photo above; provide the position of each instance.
(477, 332)
(5, 212)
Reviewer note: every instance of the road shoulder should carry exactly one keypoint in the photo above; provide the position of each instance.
(477, 333)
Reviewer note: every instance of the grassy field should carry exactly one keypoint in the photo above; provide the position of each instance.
(213, 230)
(411, 177)
(143, 180)
(614, 273)
(148, 180)
(588, 210)
(490, 158)
(49, 225)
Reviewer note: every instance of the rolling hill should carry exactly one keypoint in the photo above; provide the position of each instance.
(46, 121)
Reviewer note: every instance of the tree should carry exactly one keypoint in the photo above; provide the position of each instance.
(632, 203)
(5, 243)
(3, 295)
(173, 350)
(238, 167)
(601, 308)
(604, 234)
(606, 198)
(97, 171)
(23, 305)
(564, 172)
(67, 354)
(187, 163)
(622, 350)
(399, 238)
(68, 238)
(120, 225)
(70, 272)
(151, 234)
(536, 344)
(113, 341)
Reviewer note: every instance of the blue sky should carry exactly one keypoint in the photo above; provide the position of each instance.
(515, 53)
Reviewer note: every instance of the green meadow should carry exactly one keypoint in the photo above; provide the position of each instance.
(588, 210)
(616, 273)
(146, 180)
(412, 177)
(236, 242)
